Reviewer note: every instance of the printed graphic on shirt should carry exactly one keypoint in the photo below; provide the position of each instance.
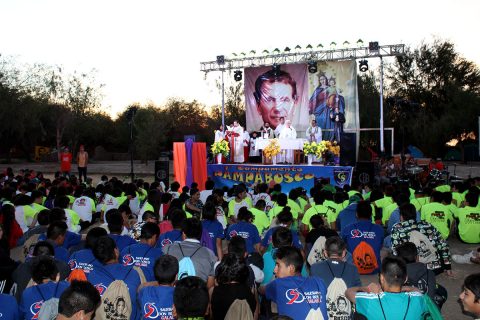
(86, 267)
(152, 312)
(35, 308)
(294, 296)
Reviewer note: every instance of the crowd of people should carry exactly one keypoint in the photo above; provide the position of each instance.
(119, 250)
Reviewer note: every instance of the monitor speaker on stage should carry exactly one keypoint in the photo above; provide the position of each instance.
(364, 173)
(162, 170)
(348, 149)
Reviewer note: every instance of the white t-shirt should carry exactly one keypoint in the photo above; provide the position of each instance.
(84, 207)
(204, 194)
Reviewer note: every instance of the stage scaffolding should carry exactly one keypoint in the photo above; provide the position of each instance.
(303, 57)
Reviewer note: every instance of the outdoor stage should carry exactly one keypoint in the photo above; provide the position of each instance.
(290, 176)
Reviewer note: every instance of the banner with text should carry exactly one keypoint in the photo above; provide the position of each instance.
(290, 177)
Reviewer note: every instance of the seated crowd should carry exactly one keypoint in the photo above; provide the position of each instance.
(138, 250)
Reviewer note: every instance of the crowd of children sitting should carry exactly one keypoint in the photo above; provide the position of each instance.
(71, 250)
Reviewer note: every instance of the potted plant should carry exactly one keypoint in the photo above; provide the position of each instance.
(272, 150)
(219, 149)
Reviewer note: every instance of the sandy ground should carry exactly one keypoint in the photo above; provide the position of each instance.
(121, 169)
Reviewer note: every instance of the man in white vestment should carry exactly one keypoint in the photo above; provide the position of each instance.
(236, 142)
(288, 132)
(314, 134)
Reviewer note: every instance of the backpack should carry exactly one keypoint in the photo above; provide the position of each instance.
(185, 265)
(115, 296)
(29, 245)
(360, 255)
(432, 312)
(49, 308)
(313, 314)
(239, 310)
(426, 251)
(206, 240)
(316, 253)
(335, 294)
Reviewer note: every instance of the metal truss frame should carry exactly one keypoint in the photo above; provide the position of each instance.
(303, 57)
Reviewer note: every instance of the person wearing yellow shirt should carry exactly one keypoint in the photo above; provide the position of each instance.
(260, 220)
(281, 203)
(317, 208)
(238, 202)
(469, 219)
(437, 214)
(457, 198)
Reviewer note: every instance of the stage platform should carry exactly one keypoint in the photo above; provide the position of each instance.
(289, 176)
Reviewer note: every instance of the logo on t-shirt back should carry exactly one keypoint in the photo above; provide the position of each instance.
(101, 288)
(355, 233)
(150, 310)
(72, 264)
(35, 308)
(165, 242)
(293, 296)
(128, 260)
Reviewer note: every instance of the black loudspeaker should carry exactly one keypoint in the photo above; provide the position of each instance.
(364, 173)
(162, 170)
(348, 149)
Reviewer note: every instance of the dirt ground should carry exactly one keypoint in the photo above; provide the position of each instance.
(121, 169)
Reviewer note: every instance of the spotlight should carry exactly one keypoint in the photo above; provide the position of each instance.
(373, 46)
(220, 59)
(363, 65)
(312, 66)
(237, 75)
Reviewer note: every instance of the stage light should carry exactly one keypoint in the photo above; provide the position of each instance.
(319, 46)
(346, 44)
(298, 48)
(373, 46)
(265, 52)
(309, 47)
(234, 54)
(359, 43)
(252, 53)
(237, 75)
(363, 65)
(287, 49)
(243, 54)
(333, 44)
(220, 59)
(276, 51)
(312, 66)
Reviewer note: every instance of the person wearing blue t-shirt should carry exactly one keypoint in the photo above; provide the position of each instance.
(144, 253)
(101, 276)
(246, 230)
(79, 301)
(390, 299)
(84, 259)
(56, 236)
(177, 216)
(115, 225)
(71, 238)
(364, 231)
(9, 307)
(213, 227)
(157, 299)
(47, 285)
(295, 296)
(285, 219)
(335, 266)
(281, 237)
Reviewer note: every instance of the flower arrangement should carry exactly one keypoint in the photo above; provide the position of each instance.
(272, 149)
(221, 147)
(310, 147)
(329, 150)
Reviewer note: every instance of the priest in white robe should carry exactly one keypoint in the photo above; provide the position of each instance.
(288, 132)
(235, 133)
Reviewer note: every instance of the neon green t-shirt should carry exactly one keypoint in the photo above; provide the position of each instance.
(384, 202)
(469, 224)
(334, 210)
(295, 208)
(443, 188)
(38, 207)
(457, 199)
(316, 209)
(438, 215)
(302, 203)
(74, 217)
(234, 206)
(272, 213)
(387, 212)
(261, 220)
(71, 198)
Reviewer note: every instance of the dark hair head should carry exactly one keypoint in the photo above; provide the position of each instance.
(335, 246)
(237, 246)
(43, 248)
(194, 191)
(166, 269)
(57, 214)
(93, 235)
(290, 256)
(447, 198)
(407, 251)
(282, 199)
(114, 221)
(149, 215)
(80, 296)
(231, 269)
(472, 283)
(244, 214)
(209, 184)
(238, 190)
(56, 229)
(262, 187)
(261, 204)
(408, 212)
(282, 237)
(402, 198)
(394, 270)
(285, 216)
(190, 297)
(364, 210)
(44, 268)
(192, 228)
(43, 217)
(174, 186)
(177, 216)
(104, 249)
(436, 196)
(272, 76)
(149, 230)
(209, 212)
(166, 197)
(472, 199)
(62, 202)
(316, 221)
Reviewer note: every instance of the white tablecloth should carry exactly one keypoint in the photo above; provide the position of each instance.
(285, 144)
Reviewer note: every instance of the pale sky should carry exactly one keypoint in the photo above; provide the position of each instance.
(150, 50)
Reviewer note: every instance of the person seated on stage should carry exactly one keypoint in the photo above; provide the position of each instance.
(266, 132)
(314, 133)
(288, 132)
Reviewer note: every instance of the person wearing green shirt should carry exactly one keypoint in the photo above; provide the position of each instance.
(437, 214)
(282, 201)
(37, 198)
(317, 208)
(238, 202)
(469, 219)
(260, 220)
